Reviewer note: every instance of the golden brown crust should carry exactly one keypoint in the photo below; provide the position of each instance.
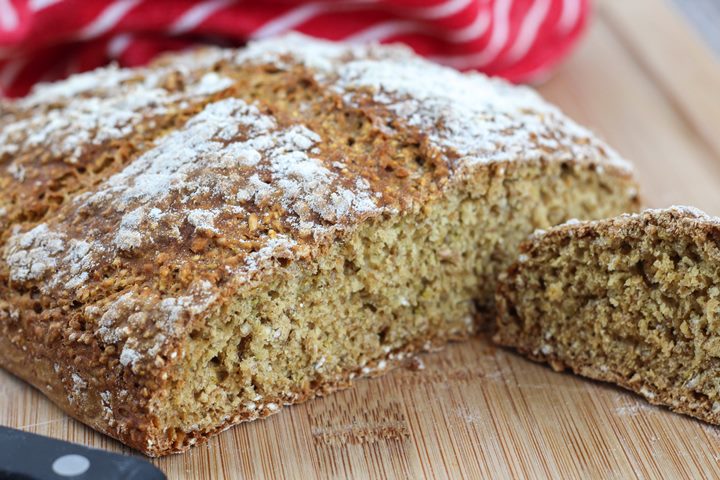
(677, 220)
(134, 203)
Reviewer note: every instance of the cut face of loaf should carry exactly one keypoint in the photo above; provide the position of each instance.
(633, 300)
(203, 241)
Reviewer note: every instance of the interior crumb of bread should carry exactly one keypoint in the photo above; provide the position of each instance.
(641, 309)
(394, 285)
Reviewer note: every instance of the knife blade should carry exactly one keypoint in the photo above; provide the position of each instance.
(27, 456)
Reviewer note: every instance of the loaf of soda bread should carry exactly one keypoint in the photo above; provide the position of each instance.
(200, 242)
(633, 300)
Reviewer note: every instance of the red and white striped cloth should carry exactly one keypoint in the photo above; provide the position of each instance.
(42, 40)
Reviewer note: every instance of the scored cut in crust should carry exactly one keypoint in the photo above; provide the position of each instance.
(197, 243)
(632, 300)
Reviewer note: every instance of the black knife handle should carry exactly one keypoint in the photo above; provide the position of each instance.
(26, 456)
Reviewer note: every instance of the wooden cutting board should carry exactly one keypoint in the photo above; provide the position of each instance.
(645, 83)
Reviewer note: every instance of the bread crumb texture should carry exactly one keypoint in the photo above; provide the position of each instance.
(633, 300)
(202, 241)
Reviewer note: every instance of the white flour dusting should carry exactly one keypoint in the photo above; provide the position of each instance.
(482, 119)
(92, 120)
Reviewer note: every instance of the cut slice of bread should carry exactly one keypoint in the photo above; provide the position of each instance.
(632, 300)
(200, 242)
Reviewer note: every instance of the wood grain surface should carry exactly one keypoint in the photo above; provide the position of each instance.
(652, 89)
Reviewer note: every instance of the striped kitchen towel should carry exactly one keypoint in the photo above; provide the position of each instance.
(43, 40)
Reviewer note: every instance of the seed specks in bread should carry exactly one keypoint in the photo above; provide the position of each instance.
(632, 300)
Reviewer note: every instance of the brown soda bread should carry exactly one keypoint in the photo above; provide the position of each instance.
(632, 300)
(200, 242)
